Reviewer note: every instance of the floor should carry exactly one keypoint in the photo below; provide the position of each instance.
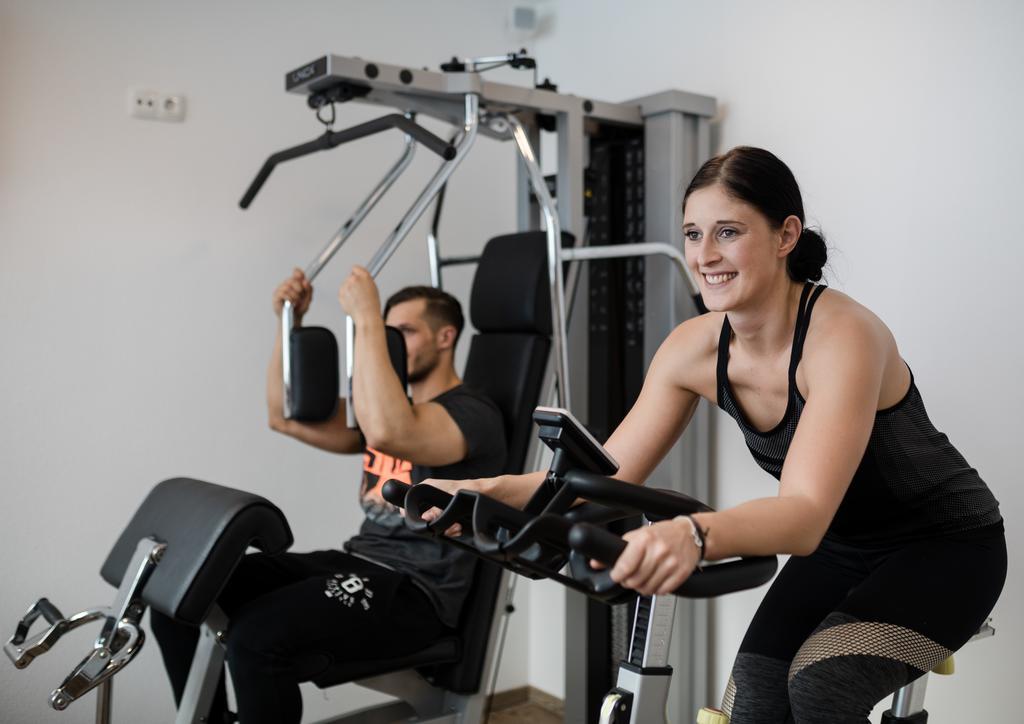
(527, 713)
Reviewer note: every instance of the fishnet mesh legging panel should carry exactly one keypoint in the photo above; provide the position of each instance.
(870, 639)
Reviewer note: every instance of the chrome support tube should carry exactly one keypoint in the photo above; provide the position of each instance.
(555, 257)
(615, 251)
(910, 699)
(364, 208)
(425, 198)
(336, 242)
(350, 361)
(434, 259)
(394, 240)
(205, 672)
(104, 694)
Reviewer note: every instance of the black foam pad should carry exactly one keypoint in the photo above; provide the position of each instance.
(207, 529)
(511, 292)
(313, 355)
(397, 353)
(509, 369)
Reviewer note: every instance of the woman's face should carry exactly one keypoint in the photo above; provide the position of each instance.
(731, 248)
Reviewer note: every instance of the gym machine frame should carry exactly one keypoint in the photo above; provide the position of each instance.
(676, 130)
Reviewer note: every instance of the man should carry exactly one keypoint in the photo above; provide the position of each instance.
(391, 592)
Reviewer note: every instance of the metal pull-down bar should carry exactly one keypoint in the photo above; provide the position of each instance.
(330, 139)
(471, 123)
(335, 243)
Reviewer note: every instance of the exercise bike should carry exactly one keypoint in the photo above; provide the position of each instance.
(553, 533)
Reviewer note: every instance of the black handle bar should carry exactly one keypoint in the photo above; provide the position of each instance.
(712, 580)
(394, 492)
(655, 504)
(537, 545)
(330, 139)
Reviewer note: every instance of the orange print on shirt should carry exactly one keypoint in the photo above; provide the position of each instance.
(384, 467)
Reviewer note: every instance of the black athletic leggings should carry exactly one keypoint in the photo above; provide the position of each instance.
(841, 629)
(294, 614)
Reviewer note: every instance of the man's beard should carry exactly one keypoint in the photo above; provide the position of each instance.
(418, 375)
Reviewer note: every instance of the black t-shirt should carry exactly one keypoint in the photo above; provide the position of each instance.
(443, 571)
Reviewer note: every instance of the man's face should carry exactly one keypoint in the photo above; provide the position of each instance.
(423, 344)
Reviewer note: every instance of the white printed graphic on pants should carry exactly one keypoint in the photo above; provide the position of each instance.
(349, 589)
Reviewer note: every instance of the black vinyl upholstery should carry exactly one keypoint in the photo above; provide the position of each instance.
(510, 307)
(207, 529)
(313, 356)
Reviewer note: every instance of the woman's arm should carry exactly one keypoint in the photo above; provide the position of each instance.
(665, 405)
(844, 371)
(659, 416)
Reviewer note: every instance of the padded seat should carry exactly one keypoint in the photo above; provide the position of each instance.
(207, 529)
(446, 650)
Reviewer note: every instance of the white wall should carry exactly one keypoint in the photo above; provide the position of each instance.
(900, 120)
(136, 321)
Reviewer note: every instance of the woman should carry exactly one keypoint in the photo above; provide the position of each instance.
(897, 544)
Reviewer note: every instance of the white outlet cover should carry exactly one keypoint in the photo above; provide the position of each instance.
(154, 105)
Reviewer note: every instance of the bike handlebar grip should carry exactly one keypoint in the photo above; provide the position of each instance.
(394, 492)
(729, 577)
(596, 543)
(50, 612)
(618, 493)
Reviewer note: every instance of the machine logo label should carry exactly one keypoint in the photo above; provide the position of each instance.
(303, 73)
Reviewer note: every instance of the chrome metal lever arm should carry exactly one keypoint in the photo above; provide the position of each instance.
(22, 652)
(119, 640)
(328, 252)
(394, 240)
(554, 237)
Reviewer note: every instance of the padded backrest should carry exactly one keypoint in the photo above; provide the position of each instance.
(510, 306)
(509, 369)
(207, 529)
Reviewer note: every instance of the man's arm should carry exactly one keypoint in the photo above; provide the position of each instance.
(424, 433)
(332, 435)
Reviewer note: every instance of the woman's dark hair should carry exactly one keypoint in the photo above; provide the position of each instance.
(442, 307)
(760, 179)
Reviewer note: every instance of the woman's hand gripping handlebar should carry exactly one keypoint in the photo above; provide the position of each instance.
(712, 580)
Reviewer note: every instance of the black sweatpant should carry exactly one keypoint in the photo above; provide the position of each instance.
(291, 616)
(843, 628)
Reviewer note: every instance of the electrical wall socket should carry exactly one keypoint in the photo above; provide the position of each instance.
(156, 106)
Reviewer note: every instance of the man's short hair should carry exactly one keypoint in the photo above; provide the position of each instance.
(442, 308)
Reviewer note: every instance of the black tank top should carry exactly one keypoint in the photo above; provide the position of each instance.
(910, 484)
